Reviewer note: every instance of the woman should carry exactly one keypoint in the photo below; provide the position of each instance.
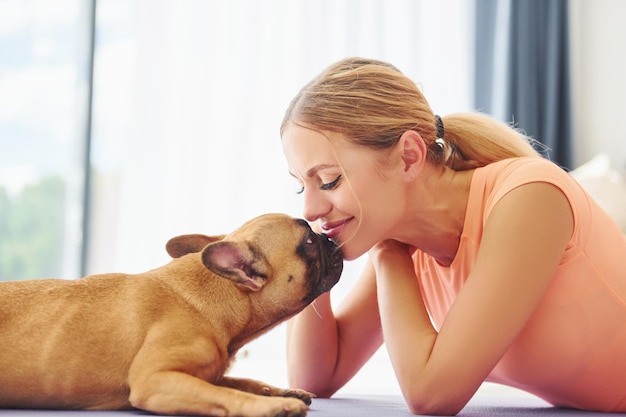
(486, 262)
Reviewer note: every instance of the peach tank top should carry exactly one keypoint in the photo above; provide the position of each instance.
(572, 352)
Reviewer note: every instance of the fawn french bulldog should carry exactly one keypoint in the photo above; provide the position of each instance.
(162, 340)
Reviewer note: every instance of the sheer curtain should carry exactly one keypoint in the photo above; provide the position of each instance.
(188, 99)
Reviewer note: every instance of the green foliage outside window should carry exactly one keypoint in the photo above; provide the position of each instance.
(31, 231)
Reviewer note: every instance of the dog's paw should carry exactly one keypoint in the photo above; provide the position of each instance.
(300, 394)
(278, 407)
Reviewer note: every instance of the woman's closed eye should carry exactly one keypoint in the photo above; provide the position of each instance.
(324, 186)
(330, 185)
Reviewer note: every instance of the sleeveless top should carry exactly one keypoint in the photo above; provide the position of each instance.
(572, 351)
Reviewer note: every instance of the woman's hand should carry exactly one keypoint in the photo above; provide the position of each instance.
(392, 246)
(391, 251)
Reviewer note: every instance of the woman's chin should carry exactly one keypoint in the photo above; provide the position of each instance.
(350, 252)
(350, 242)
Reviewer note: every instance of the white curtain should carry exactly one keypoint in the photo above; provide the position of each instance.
(189, 96)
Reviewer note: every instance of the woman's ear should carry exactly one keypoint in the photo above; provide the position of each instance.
(413, 153)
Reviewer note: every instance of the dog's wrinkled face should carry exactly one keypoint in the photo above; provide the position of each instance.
(275, 256)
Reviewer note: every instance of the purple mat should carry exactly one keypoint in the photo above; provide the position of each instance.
(479, 406)
(374, 406)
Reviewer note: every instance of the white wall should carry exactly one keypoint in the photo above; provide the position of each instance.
(598, 53)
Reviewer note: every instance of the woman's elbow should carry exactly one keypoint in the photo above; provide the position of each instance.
(438, 404)
(432, 409)
(316, 387)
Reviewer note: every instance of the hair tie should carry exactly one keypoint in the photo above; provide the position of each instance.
(444, 149)
(439, 124)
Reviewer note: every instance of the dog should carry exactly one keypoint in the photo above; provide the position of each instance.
(162, 341)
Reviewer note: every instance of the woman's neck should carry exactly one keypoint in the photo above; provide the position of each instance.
(435, 215)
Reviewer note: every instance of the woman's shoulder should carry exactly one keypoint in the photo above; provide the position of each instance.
(508, 174)
(493, 181)
(534, 166)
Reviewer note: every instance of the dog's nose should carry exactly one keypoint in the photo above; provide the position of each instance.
(329, 244)
(326, 240)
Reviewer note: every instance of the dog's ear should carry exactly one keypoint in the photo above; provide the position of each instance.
(237, 261)
(182, 245)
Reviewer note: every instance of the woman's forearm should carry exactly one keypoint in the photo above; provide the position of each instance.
(405, 321)
(409, 334)
(312, 347)
(326, 348)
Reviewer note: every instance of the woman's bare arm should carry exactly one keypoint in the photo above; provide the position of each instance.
(325, 349)
(523, 241)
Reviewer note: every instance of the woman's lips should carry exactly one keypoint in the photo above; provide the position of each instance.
(333, 229)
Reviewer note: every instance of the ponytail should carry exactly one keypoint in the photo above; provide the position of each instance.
(476, 139)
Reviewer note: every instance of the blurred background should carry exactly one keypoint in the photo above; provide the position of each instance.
(126, 122)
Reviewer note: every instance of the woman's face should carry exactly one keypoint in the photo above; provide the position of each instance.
(353, 199)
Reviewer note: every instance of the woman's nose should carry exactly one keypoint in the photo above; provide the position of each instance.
(315, 205)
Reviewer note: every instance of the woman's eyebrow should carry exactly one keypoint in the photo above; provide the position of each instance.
(314, 170)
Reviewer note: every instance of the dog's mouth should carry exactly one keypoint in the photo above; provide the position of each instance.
(333, 259)
(324, 260)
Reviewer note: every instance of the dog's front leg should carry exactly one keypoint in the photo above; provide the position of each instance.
(177, 393)
(261, 388)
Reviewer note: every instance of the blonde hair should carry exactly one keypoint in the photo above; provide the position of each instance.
(372, 103)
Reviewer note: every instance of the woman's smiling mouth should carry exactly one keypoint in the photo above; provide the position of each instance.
(333, 229)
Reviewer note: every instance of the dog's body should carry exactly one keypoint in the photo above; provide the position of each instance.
(162, 340)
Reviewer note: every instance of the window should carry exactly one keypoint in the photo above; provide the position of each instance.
(44, 84)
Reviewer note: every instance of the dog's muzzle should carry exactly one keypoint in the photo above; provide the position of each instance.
(329, 266)
(335, 258)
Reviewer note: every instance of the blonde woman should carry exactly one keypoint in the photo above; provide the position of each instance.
(486, 262)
